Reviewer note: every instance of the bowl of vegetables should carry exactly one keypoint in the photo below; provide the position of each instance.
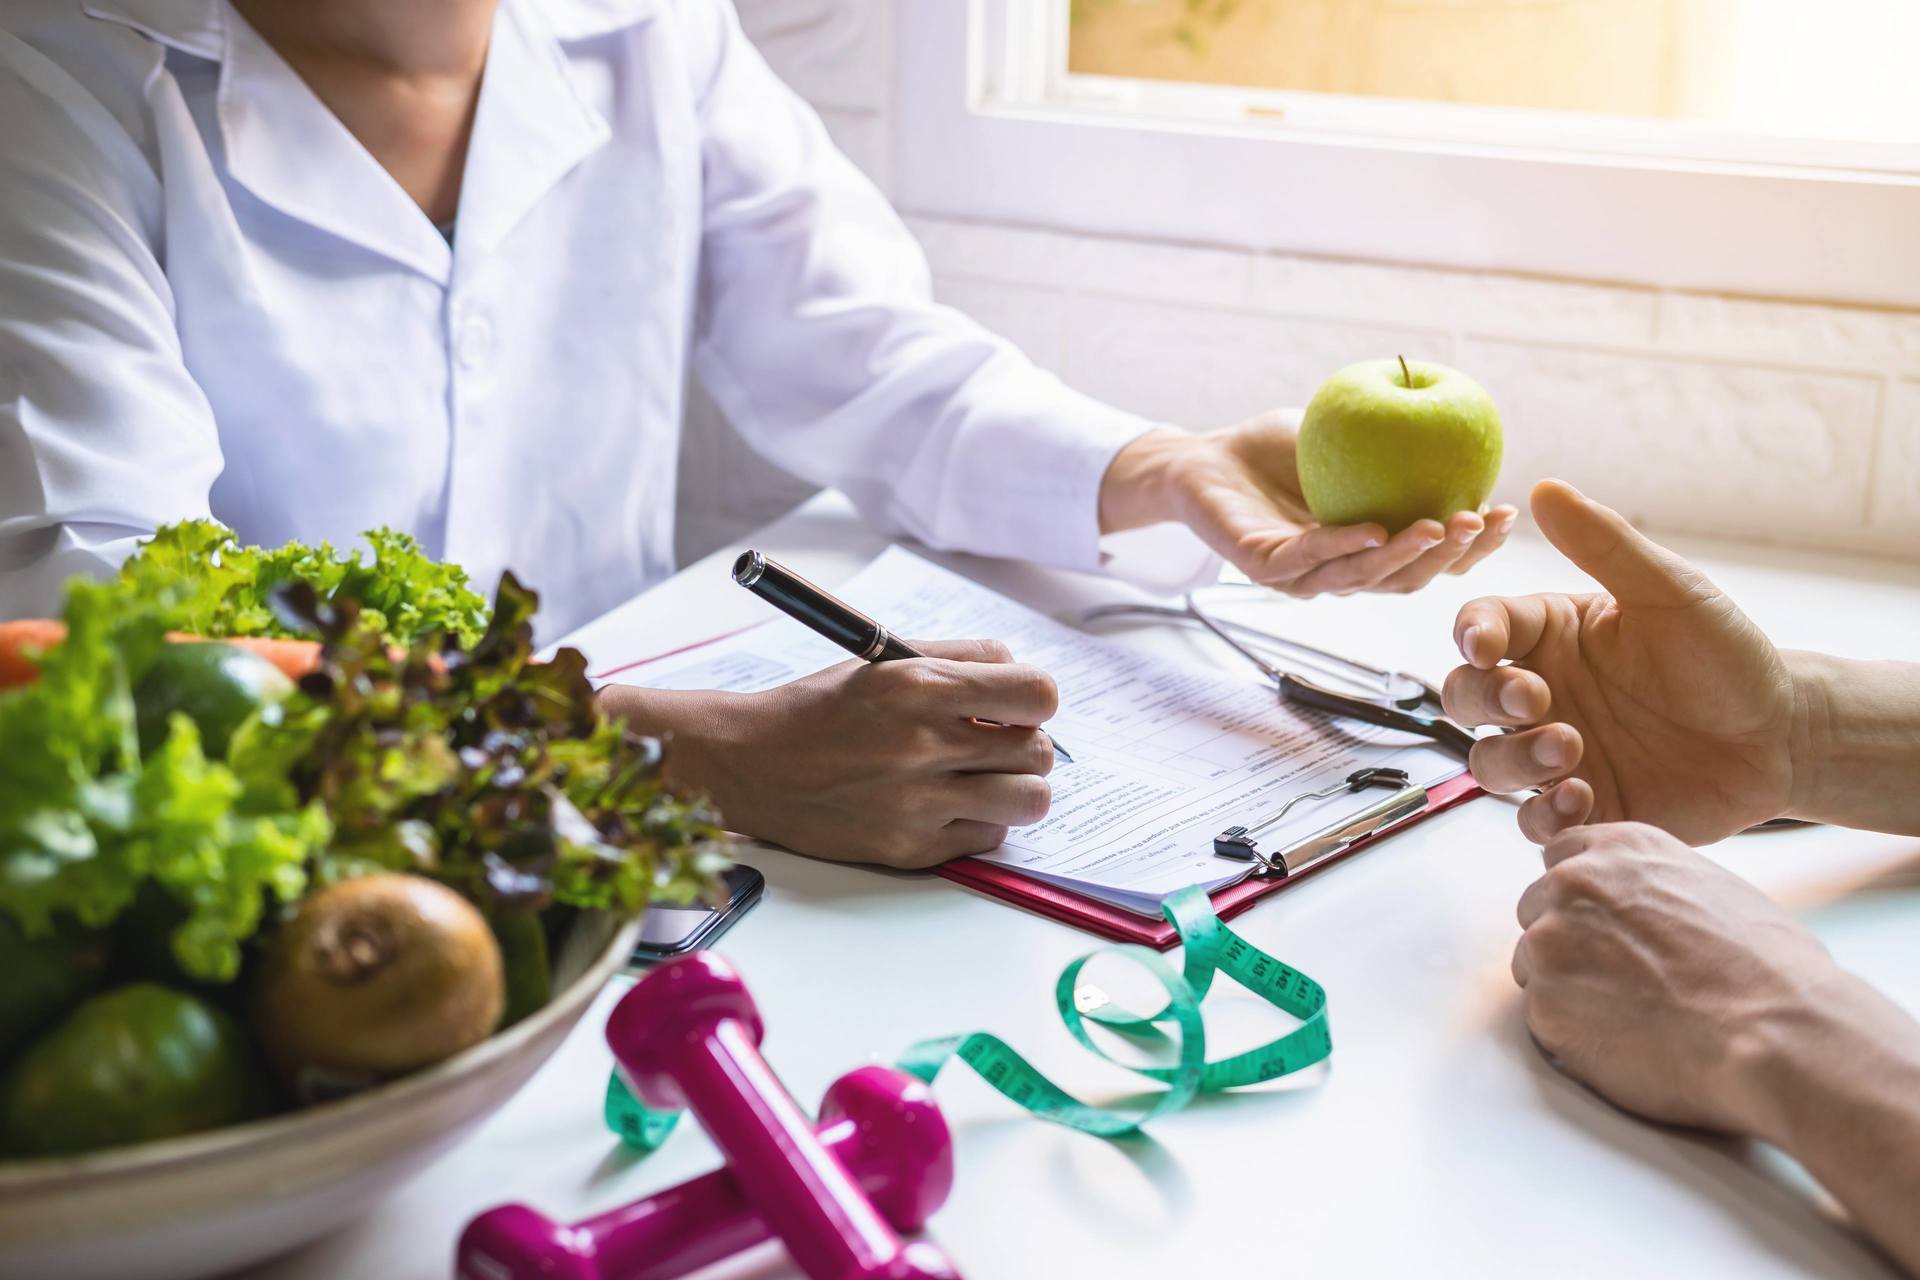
(305, 867)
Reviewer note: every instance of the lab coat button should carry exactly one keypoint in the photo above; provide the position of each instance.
(476, 342)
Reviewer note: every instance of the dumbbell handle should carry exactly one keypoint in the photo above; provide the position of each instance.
(688, 1034)
(804, 1194)
(693, 1225)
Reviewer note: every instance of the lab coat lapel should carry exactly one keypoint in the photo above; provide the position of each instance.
(287, 148)
(192, 26)
(531, 129)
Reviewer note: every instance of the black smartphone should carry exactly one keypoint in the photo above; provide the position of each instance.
(666, 932)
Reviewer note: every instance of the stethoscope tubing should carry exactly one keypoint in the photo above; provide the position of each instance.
(1384, 711)
(1331, 665)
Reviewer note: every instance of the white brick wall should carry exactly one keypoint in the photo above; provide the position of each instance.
(1729, 416)
(1726, 416)
(1894, 502)
(1209, 367)
(1698, 446)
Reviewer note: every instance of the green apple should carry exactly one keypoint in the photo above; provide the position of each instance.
(1395, 441)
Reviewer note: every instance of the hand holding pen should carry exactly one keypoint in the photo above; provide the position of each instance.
(881, 762)
(878, 762)
(835, 620)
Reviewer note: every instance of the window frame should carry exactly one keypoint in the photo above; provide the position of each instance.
(990, 127)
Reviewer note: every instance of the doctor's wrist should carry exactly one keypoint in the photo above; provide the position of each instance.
(1141, 485)
(698, 726)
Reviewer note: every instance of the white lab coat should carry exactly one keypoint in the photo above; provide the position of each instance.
(213, 301)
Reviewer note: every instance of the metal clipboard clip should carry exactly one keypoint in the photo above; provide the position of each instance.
(1240, 842)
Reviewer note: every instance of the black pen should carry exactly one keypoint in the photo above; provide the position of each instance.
(821, 613)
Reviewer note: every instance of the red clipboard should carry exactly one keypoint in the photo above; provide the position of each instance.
(1009, 885)
(1117, 923)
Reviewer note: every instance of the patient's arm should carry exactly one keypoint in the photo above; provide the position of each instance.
(1857, 753)
(1840, 1089)
(1684, 994)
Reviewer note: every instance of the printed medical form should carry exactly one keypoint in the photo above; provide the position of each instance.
(1166, 754)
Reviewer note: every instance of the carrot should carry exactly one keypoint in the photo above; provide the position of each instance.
(294, 657)
(16, 639)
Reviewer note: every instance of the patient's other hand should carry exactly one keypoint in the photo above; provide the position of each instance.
(1654, 700)
(1667, 982)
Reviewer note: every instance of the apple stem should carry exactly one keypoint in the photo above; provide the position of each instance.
(1406, 372)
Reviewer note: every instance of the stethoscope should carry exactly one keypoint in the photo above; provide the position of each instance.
(1390, 699)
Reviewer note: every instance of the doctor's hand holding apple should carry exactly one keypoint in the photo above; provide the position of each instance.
(1376, 487)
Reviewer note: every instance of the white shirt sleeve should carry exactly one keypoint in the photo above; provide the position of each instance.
(104, 435)
(817, 337)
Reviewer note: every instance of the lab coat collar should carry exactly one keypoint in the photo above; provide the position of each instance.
(283, 144)
(531, 128)
(585, 19)
(287, 148)
(192, 26)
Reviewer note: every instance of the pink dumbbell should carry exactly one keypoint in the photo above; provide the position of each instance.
(688, 1035)
(881, 1124)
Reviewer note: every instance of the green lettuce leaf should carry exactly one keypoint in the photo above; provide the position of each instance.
(85, 822)
(488, 771)
(206, 582)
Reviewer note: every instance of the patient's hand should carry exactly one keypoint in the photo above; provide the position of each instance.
(1665, 981)
(1239, 491)
(1681, 992)
(882, 762)
(1655, 700)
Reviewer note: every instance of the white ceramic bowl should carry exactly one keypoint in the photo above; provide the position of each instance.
(206, 1204)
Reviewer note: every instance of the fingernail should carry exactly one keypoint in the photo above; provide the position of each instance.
(1466, 535)
(1470, 642)
(1551, 751)
(1371, 542)
(1565, 802)
(1431, 540)
(1513, 699)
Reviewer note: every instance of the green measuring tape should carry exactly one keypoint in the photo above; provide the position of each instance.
(1210, 948)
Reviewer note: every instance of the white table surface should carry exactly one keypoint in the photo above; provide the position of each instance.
(1439, 1142)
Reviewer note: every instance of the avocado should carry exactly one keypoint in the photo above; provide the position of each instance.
(522, 936)
(217, 685)
(42, 978)
(134, 1065)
